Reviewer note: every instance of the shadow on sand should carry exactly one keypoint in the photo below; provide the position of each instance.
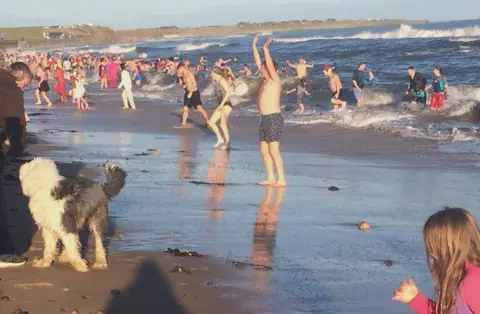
(151, 292)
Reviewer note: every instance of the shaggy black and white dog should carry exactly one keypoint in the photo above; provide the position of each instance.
(62, 206)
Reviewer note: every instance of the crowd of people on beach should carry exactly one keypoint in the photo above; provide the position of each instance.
(452, 237)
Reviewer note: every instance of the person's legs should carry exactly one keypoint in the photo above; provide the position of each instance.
(185, 115)
(125, 99)
(274, 150)
(130, 99)
(47, 100)
(203, 112)
(267, 160)
(301, 108)
(224, 125)
(86, 106)
(212, 123)
(79, 104)
(37, 95)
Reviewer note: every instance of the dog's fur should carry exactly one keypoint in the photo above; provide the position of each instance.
(62, 206)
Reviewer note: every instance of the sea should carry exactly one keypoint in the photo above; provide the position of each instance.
(307, 234)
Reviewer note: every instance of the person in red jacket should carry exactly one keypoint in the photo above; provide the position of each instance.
(452, 243)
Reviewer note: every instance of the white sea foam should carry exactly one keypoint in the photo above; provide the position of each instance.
(118, 49)
(404, 31)
(201, 46)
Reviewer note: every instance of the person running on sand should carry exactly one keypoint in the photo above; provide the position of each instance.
(43, 87)
(192, 94)
(301, 90)
(439, 87)
(271, 124)
(79, 94)
(336, 87)
(223, 110)
(126, 83)
(246, 71)
(452, 244)
(301, 67)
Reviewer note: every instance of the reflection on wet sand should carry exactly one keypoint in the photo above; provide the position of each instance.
(188, 148)
(76, 138)
(264, 236)
(216, 178)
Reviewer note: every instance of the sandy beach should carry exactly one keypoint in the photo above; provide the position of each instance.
(183, 194)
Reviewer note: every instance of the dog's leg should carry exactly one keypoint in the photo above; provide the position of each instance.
(50, 242)
(63, 258)
(71, 244)
(100, 256)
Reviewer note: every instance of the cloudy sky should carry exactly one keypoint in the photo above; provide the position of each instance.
(153, 13)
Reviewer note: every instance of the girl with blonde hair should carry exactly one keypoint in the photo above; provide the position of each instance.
(452, 244)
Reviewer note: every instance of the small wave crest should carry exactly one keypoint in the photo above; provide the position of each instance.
(201, 46)
(118, 49)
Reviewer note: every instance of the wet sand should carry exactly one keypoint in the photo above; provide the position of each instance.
(208, 200)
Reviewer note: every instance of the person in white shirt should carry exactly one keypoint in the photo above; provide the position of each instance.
(126, 83)
(67, 69)
(79, 94)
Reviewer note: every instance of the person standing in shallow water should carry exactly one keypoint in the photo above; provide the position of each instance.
(271, 124)
(126, 83)
(439, 87)
(223, 110)
(452, 243)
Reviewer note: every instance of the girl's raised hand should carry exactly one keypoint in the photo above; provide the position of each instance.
(406, 292)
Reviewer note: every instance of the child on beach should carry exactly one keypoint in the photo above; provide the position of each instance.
(126, 83)
(79, 94)
(301, 90)
(452, 244)
(439, 87)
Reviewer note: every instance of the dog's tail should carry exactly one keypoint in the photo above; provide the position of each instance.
(115, 180)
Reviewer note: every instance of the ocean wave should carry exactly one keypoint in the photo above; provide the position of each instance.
(201, 46)
(118, 49)
(407, 31)
(404, 31)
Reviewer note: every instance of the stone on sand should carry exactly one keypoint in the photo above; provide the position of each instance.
(364, 226)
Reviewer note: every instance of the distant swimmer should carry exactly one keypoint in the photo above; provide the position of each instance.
(246, 70)
(359, 78)
(301, 67)
(201, 64)
(439, 88)
(336, 87)
(271, 124)
(417, 87)
(223, 111)
(301, 91)
(192, 98)
(372, 79)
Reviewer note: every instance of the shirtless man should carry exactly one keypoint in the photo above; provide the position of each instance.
(246, 70)
(301, 68)
(220, 61)
(192, 94)
(336, 87)
(271, 124)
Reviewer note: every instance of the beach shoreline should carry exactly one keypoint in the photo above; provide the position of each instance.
(33, 38)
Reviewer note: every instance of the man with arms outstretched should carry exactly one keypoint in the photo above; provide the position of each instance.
(272, 119)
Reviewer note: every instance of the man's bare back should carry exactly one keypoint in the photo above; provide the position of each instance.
(301, 68)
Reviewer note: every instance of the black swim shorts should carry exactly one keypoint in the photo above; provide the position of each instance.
(341, 95)
(271, 127)
(44, 87)
(194, 101)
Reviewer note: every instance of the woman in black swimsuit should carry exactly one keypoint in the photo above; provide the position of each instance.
(223, 111)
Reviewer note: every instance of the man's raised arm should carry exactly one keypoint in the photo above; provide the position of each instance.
(269, 61)
(291, 64)
(256, 56)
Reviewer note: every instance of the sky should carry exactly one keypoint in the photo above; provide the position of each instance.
(155, 13)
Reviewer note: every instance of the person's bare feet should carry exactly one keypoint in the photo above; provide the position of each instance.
(225, 146)
(280, 183)
(267, 183)
(38, 103)
(218, 144)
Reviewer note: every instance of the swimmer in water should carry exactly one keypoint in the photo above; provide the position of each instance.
(301, 90)
(336, 87)
(301, 67)
(201, 64)
(246, 70)
(417, 87)
(223, 110)
(271, 124)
